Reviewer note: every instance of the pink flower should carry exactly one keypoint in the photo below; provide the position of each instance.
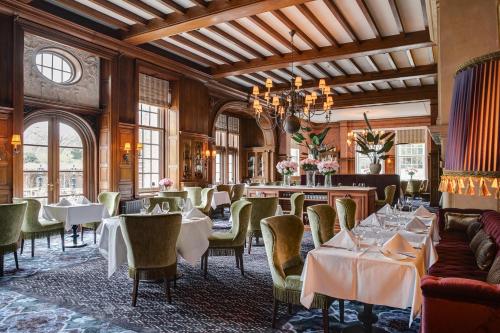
(166, 182)
(309, 164)
(328, 167)
(286, 167)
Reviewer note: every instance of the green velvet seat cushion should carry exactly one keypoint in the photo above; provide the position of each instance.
(154, 274)
(293, 282)
(91, 225)
(221, 239)
(33, 226)
(11, 220)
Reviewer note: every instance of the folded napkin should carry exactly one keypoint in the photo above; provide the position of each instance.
(415, 225)
(423, 212)
(387, 209)
(188, 205)
(156, 210)
(372, 220)
(344, 239)
(63, 202)
(397, 244)
(195, 213)
(83, 200)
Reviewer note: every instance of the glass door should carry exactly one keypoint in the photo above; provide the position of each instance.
(37, 181)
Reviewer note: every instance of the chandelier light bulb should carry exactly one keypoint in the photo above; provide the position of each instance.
(298, 82)
(306, 110)
(266, 96)
(329, 100)
(314, 96)
(276, 101)
(322, 84)
(256, 103)
(255, 90)
(327, 90)
(269, 83)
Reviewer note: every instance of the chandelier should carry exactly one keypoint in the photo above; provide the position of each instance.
(288, 107)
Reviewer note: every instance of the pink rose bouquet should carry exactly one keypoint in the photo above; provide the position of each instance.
(166, 182)
(286, 167)
(328, 167)
(309, 164)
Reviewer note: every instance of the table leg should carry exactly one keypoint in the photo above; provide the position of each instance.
(367, 319)
(75, 237)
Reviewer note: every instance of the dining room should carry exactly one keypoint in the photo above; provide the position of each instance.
(250, 166)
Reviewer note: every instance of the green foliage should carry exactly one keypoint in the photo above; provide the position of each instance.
(29, 157)
(370, 140)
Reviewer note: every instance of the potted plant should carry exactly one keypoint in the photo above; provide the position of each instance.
(310, 166)
(328, 168)
(165, 183)
(315, 145)
(374, 144)
(286, 168)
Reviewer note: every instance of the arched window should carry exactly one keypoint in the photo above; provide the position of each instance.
(58, 66)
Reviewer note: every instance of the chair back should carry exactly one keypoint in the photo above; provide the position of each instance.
(173, 203)
(389, 192)
(424, 186)
(346, 211)
(413, 187)
(224, 188)
(322, 222)
(206, 199)
(110, 200)
(237, 192)
(261, 208)
(194, 194)
(173, 194)
(297, 202)
(240, 216)
(282, 239)
(404, 186)
(31, 222)
(151, 239)
(11, 220)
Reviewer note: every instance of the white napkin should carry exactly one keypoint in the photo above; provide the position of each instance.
(385, 210)
(195, 213)
(415, 225)
(423, 212)
(344, 239)
(397, 244)
(156, 210)
(371, 220)
(83, 200)
(63, 202)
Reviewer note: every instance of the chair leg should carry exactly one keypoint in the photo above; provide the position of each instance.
(167, 290)
(1, 264)
(62, 241)
(32, 247)
(241, 263)
(341, 310)
(205, 267)
(48, 242)
(275, 312)
(289, 308)
(135, 290)
(249, 244)
(81, 232)
(95, 235)
(326, 319)
(236, 256)
(22, 245)
(15, 259)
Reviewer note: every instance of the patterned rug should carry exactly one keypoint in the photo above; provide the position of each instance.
(70, 292)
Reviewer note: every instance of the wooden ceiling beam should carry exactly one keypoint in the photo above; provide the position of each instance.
(410, 58)
(198, 35)
(94, 13)
(183, 52)
(221, 33)
(355, 65)
(424, 12)
(317, 24)
(217, 11)
(254, 38)
(373, 64)
(258, 77)
(273, 33)
(174, 6)
(324, 72)
(275, 77)
(201, 3)
(397, 16)
(290, 25)
(350, 50)
(120, 11)
(146, 8)
(249, 80)
(391, 61)
(201, 49)
(341, 19)
(307, 72)
(337, 67)
(369, 18)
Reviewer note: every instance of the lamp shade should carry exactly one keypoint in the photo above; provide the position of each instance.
(16, 139)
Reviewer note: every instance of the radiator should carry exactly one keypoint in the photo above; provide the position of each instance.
(131, 207)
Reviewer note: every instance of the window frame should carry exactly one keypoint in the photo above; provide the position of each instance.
(65, 56)
(227, 127)
(398, 158)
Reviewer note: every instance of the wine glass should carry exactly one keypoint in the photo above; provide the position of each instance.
(165, 207)
(146, 203)
(181, 204)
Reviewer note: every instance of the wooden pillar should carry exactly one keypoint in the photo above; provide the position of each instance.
(434, 160)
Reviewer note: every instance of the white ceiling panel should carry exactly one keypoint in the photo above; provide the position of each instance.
(243, 39)
(347, 66)
(132, 9)
(263, 35)
(305, 26)
(210, 47)
(422, 56)
(326, 17)
(382, 61)
(356, 19)
(368, 87)
(300, 73)
(201, 54)
(382, 86)
(105, 11)
(413, 83)
(283, 30)
(226, 43)
(285, 76)
(332, 70)
(239, 81)
(271, 77)
(428, 80)
(401, 59)
(158, 5)
(382, 14)
(411, 15)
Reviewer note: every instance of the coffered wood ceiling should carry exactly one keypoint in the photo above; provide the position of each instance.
(363, 48)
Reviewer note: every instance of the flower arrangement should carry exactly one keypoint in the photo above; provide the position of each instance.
(166, 182)
(328, 167)
(286, 167)
(309, 164)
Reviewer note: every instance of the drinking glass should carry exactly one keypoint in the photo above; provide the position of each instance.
(146, 203)
(181, 204)
(165, 207)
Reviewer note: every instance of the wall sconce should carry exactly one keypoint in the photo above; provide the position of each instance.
(214, 153)
(16, 142)
(139, 149)
(169, 97)
(126, 148)
(207, 154)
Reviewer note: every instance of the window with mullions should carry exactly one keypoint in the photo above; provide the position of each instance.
(411, 156)
(227, 141)
(58, 66)
(151, 137)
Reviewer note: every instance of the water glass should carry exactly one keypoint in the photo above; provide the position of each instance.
(181, 204)
(146, 203)
(165, 207)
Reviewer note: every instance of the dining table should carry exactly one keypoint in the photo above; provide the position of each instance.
(192, 242)
(220, 198)
(367, 274)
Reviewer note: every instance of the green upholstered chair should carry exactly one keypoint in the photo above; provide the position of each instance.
(297, 202)
(194, 194)
(11, 220)
(261, 208)
(237, 192)
(224, 187)
(110, 200)
(346, 211)
(173, 203)
(35, 227)
(389, 192)
(173, 194)
(282, 239)
(322, 222)
(232, 242)
(413, 187)
(151, 248)
(206, 200)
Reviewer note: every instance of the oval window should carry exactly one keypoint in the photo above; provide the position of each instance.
(58, 66)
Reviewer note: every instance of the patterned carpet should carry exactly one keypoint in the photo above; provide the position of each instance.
(70, 292)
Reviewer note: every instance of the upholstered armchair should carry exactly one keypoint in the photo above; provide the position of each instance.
(151, 248)
(173, 194)
(224, 188)
(11, 220)
(194, 194)
(35, 227)
(110, 200)
(206, 200)
(322, 222)
(389, 192)
(173, 203)
(282, 239)
(232, 242)
(413, 187)
(297, 203)
(346, 211)
(237, 192)
(261, 208)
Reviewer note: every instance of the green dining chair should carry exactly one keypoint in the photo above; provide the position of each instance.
(173, 194)
(224, 188)
(35, 227)
(389, 192)
(110, 200)
(151, 248)
(237, 192)
(346, 211)
(11, 221)
(322, 223)
(282, 240)
(206, 200)
(261, 208)
(194, 194)
(173, 203)
(232, 242)
(297, 203)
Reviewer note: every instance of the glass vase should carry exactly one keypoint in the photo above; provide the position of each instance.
(311, 178)
(287, 180)
(328, 180)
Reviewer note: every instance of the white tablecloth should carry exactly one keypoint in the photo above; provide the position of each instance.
(368, 276)
(191, 244)
(75, 214)
(220, 198)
